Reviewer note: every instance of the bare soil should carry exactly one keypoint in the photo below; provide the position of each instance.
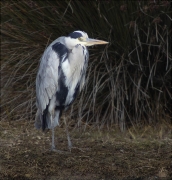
(97, 154)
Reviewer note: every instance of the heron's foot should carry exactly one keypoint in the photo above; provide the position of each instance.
(53, 149)
(74, 149)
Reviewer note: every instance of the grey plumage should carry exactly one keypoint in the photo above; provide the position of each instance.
(60, 77)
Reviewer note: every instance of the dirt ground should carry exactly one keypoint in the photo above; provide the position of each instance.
(97, 154)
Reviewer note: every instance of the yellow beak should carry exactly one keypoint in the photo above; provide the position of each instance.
(91, 42)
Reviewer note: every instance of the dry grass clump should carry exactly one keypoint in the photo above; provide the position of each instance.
(128, 81)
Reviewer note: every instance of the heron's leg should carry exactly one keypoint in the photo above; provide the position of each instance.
(68, 137)
(53, 131)
(52, 144)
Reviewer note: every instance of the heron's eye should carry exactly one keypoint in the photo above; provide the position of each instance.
(80, 39)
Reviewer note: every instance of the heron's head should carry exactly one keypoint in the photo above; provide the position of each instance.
(80, 37)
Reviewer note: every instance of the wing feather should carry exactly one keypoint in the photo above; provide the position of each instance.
(47, 77)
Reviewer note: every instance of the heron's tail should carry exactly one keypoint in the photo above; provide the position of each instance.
(45, 121)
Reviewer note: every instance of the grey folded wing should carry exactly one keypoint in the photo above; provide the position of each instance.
(48, 74)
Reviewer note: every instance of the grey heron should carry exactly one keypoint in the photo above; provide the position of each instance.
(60, 77)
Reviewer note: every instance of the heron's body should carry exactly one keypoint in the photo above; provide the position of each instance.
(60, 77)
